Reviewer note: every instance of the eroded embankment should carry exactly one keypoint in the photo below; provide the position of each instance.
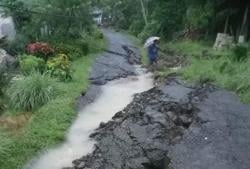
(174, 126)
(140, 136)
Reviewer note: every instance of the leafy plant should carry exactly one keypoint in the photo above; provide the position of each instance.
(239, 53)
(84, 43)
(72, 51)
(59, 67)
(31, 92)
(199, 15)
(29, 63)
(40, 49)
(97, 34)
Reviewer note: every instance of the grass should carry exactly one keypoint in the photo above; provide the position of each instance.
(4, 146)
(48, 125)
(217, 68)
(31, 92)
(194, 48)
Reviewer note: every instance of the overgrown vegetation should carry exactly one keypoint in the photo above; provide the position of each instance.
(51, 121)
(59, 67)
(55, 45)
(224, 68)
(51, 117)
(240, 53)
(30, 63)
(192, 19)
(31, 92)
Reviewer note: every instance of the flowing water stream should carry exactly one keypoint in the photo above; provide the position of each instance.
(115, 96)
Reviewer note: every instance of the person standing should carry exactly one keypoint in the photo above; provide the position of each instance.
(153, 50)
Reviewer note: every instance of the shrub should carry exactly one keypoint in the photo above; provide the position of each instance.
(29, 63)
(85, 47)
(239, 53)
(40, 49)
(31, 92)
(59, 67)
(98, 34)
(72, 51)
(85, 43)
(136, 27)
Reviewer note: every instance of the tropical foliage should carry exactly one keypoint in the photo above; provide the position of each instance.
(192, 18)
(59, 67)
(30, 63)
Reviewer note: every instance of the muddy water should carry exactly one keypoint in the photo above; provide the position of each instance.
(115, 96)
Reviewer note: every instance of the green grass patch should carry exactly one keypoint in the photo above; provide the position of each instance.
(48, 124)
(218, 68)
(195, 48)
(4, 146)
(31, 92)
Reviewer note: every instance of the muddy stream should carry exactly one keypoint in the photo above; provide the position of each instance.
(114, 97)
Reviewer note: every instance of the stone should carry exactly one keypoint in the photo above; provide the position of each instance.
(172, 115)
(6, 61)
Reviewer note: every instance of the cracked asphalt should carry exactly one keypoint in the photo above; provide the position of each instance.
(217, 138)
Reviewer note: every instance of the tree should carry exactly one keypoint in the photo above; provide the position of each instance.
(48, 20)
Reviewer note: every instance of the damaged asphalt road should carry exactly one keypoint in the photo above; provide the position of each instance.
(117, 62)
(173, 126)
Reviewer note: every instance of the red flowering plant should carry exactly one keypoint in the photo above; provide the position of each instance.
(40, 49)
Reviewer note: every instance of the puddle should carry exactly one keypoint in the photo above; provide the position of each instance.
(115, 96)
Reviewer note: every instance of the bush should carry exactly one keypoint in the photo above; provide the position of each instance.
(85, 43)
(72, 51)
(40, 49)
(239, 53)
(30, 63)
(136, 27)
(31, 92)
(97, 34)
(59, 67)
